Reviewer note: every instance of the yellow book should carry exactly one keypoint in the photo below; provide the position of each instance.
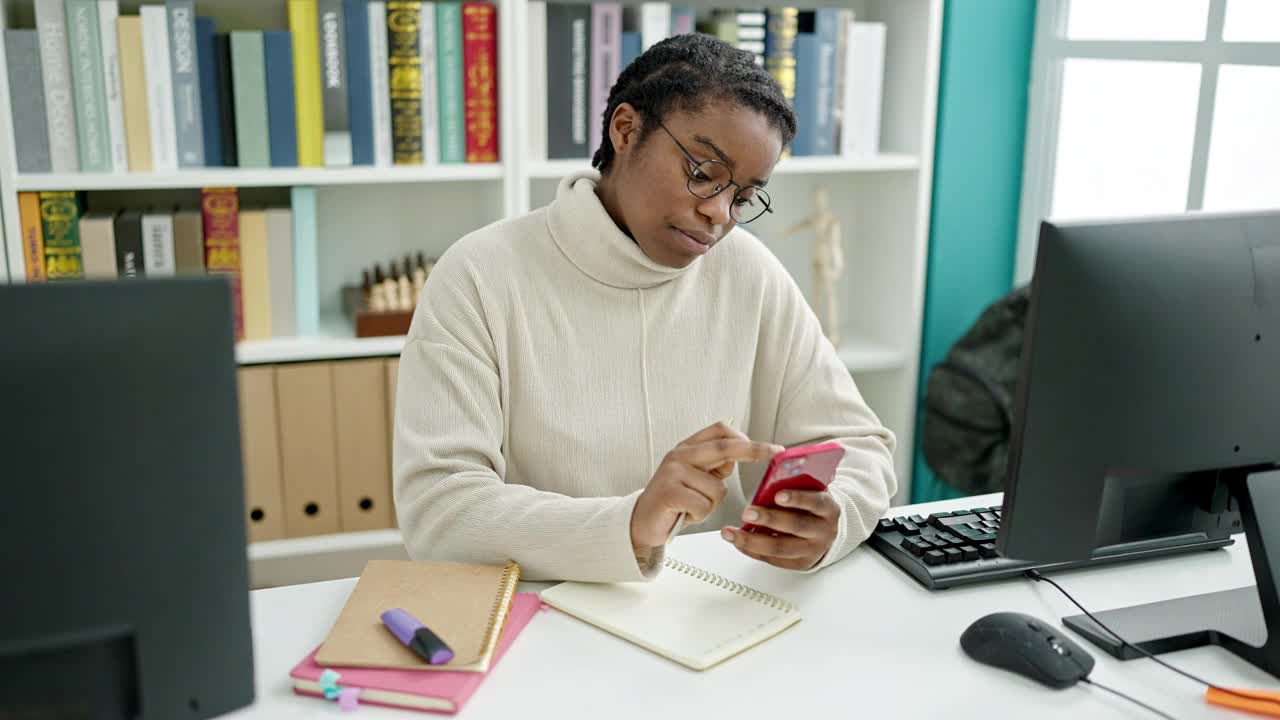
(255, 274)
(32, 235)
(133, 88)
(303, 23)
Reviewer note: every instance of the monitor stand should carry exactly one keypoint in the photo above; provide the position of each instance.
(1245, 621)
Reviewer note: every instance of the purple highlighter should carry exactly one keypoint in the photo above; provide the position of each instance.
(417, 637)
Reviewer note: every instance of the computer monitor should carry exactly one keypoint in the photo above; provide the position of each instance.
(122, 543)
(1148, 405)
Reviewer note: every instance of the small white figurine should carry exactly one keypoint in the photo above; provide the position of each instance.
(828, 262)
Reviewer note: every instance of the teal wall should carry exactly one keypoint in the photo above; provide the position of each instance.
(977, 182)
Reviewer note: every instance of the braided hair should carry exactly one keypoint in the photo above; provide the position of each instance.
(686, 72)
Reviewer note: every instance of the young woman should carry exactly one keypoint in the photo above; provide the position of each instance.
(566, 384)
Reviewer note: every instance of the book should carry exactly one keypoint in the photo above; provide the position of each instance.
(60, 226)
(55, 68)
(444, 692)
(453, 137)
(606, 58)
(159, 88)
(108, 14)
(32, 236)
(333, 84)
(480, 85)
(98, 245)
(360, 110)
(26, 90)
(133, 91)
(249, 80)
(220, 208)
(430, 85)
(188, 115)
(157, 244)
(568, 63)
(536, 93)
(84, 43)
(304, 25)
(282, 123)
(380, 80)
(404, 63)
(465, 604)
(686, 614)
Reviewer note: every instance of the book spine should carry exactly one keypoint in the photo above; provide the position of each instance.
(98, 246)
(133, 86)
(155, 48)
(806, 99)
(865, 86)
(306, 260)
(277, 55)
(655, 23)
(304, 25)
(128, 231)
(227, 99)
(380, 81)
(26, 89)
(781, 26)
(752, 29)
(450, 101)
(333, 76)
(32, 236)
(841, 81)
(60, 114)
(683, 19)
(60, 225)
(630, 48)
(248, 72)
(480, 70)
(826, 31)
(184, 66)
(108, 13)
(355, 18)
(221, 210)
(157, 245)
(255, 274)
(210, 100)
(537, 94)
(188, 242)
(85, 47)
(404, 63)
(280, 260)
(430, 91)
(568, 72)
(606, 52)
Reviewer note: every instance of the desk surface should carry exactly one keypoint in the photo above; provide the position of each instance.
(872, 643)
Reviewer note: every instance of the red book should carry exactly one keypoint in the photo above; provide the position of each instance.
(480, 80)
(220, 209)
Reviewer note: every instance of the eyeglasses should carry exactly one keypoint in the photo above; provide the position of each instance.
(709, 178)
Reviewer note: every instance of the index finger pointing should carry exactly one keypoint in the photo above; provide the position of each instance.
(712, 453)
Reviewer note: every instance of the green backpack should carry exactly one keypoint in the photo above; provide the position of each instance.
(968, 403)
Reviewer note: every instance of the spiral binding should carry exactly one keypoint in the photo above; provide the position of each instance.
(510, 578)
(720, 581)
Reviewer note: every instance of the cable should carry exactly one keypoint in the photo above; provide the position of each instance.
(1130, 698)
(1035, 575)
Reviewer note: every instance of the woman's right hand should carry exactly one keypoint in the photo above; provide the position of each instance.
(690, 480)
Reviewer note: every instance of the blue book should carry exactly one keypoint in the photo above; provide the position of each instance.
(306, 261)
(359, 80)
(282, 127)
(631, 48)
(210, 98)
(827, 31)
(806, 101)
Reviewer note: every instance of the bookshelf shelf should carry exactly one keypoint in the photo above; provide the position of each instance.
(869, 357)
(885, 162)
(261, 177)
(304, 349)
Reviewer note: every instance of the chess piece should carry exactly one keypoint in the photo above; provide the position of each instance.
(828, 262)
(377, 292)
(405, 285)
(365, 289)
(390, 288)
(419, 278)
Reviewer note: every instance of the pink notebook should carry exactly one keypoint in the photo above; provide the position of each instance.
(442, 691)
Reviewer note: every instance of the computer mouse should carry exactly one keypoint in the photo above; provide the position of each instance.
(1024, 645)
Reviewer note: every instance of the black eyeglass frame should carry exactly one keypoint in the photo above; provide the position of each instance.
(761, 193)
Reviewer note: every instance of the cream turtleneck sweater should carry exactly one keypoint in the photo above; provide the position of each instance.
(551, 365)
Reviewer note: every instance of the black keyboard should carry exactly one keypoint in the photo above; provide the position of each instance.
(947, 549)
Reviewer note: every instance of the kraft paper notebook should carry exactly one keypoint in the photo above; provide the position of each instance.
(686, 614)
(445, 692)
(465, 604)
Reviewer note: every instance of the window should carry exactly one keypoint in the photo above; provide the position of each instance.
(1141, 107)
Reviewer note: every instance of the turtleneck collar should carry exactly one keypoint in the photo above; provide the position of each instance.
(587, 235)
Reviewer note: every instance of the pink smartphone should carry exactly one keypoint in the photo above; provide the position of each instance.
(808, 467)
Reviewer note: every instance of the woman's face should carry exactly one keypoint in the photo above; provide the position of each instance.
(646, 190)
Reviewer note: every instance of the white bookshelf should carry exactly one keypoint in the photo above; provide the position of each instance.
(368, 215)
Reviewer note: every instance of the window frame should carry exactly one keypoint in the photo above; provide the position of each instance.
(1044, 103)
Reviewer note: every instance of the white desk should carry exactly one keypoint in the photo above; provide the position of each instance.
(871, 644)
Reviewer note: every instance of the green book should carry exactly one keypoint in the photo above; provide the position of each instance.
(60, 223)
(453, 135)
(249, 90)
(84, 45)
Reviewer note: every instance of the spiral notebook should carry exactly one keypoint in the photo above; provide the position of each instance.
(686, 614)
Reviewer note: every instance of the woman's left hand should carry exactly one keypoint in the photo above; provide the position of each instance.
(807, 521)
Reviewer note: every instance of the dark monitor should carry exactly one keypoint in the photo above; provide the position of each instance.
(1148, 407)
(122, 542)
